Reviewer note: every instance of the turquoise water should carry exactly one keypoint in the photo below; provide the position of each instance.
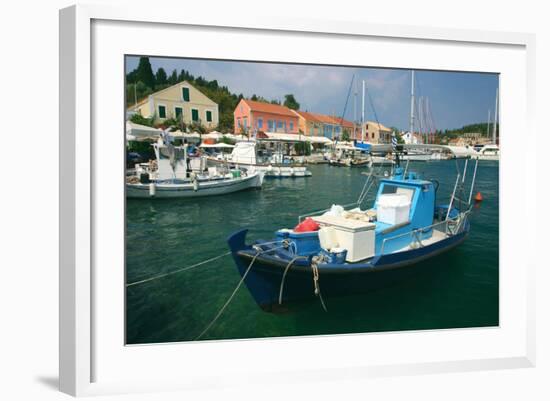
(455, 289)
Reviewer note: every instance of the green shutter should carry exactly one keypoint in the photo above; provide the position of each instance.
(179, 112)
(208, 116)
(162, 112)
(185, 94)
(195, 115)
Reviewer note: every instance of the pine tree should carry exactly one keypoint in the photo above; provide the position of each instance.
(173, 79)
(160, 77)
(144, 72)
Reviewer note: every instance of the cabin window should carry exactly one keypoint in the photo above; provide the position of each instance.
(162, 111)
(194, 115)
(260, 123)
(208, 116)
(394, 189)
(178, 111)
(185, 94)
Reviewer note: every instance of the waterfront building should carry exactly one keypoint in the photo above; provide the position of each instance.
(180, 101)
(251, 116)
(315, 124)
(377, 133)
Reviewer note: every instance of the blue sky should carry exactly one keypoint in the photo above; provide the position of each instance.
(455, 98)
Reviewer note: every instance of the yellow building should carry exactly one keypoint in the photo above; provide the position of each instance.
(377, 133)
(181, 100)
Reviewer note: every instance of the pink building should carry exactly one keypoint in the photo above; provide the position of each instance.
(251, 116)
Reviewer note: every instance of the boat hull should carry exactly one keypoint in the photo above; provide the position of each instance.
(265, 277)
(270, 171)
(188, 190)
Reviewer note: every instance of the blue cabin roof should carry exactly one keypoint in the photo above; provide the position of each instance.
(421, 213)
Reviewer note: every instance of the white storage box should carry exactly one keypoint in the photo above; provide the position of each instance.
(355, 236)
(393, 208)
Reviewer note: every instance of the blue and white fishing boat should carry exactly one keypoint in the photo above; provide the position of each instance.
(356, 250)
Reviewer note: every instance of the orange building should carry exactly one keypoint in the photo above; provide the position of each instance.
(251, 116)
(315, 124)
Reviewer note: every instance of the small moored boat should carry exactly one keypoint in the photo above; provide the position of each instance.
(172, 176)
(347, 251)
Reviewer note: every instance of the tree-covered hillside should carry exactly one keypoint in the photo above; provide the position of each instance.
(142, 81)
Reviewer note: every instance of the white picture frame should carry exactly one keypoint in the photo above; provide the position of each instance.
(84, 328)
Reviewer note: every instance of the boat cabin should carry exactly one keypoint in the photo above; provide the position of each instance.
(403, 212)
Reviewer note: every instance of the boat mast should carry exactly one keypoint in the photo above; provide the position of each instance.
(411, 126)
(495, 124)
(355, 112)
(363, 114)
(488, 121)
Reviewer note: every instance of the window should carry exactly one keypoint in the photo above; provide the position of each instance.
(337, 129)
(208, 116)
(327, 131)
(279, 124)
(271, 125)
(260, 123)
(185, 94)
(162, 111)
(238, 122)
(178, 111)
(291, 126)
(245, 122)
(194, 115)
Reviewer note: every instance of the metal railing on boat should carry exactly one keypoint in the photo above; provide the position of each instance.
(452, 227)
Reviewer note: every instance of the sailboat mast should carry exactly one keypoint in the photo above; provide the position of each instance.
(363, 114)
(495, 123)
(355, 112)
(488, 121)
(411, 126)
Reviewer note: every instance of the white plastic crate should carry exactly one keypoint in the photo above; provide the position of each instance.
(393, 209)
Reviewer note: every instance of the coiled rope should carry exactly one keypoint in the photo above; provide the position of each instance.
(179, 270)
(316, 286)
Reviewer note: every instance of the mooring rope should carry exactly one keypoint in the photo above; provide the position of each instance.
(284, 276)
(179, 270)
(315, 269)
(259, 251)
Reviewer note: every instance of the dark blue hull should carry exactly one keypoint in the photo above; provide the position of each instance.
(266, 274)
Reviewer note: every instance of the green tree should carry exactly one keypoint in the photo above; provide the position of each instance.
(144, 72)
(345, 135)
(139, 119)
(173, 79)
(160, 77)
(291, 102)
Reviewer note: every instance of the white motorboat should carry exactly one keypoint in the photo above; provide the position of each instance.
(245, 155)
(488, 152)
(171, 176)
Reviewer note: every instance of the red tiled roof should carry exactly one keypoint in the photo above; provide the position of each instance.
(269, 108)
(325, 119)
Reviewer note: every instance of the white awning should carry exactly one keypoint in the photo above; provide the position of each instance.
(318, 139)
(213, 135)
(280, 136)
(216, 145)
(136, 132)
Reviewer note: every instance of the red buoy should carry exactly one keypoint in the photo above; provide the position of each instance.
(478, 197)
